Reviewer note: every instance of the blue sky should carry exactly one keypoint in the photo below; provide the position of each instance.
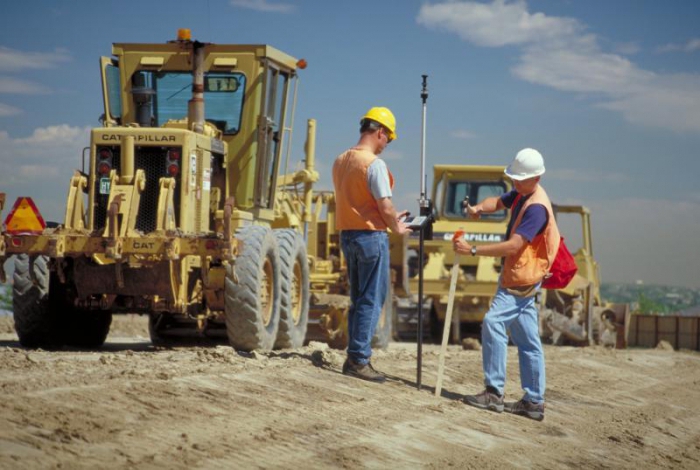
(607, 90)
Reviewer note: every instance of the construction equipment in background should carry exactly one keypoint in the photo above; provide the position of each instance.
(187, 211)
(573, 315)
(478, 277)
(577, 314)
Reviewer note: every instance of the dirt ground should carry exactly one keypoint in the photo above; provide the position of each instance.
(131, 405)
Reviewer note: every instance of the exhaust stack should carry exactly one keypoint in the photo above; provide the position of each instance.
(195, 107)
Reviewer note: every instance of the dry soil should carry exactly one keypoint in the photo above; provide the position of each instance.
(130, 405)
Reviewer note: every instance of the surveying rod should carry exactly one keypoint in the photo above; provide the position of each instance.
(425, 210)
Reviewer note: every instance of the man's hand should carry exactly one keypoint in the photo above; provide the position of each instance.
(461, 246)
(402, 227)
(474, 212)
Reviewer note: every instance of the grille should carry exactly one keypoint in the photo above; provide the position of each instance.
(153, 161)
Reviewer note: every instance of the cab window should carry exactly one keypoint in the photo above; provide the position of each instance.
(171, 91)
(477, 191)
(113, 90)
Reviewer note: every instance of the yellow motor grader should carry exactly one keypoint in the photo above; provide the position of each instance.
(186, 211)
(575, 314)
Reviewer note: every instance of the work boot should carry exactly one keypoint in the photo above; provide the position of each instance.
(526, 408)
(362, 371)
(486, 400)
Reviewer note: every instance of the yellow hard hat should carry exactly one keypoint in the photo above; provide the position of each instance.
(384, 117)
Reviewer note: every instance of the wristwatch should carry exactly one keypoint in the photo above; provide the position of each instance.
(473, 250)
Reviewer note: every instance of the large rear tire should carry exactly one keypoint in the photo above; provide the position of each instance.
(36, 323)
(88, 329)
(252, 291)
(294, 300)
(85, 329)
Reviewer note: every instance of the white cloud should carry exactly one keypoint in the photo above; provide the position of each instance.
(496, 24)
(558, 53)
(54, 146)
(580, 66)
(627, 48)
(13, 61)
(671, 101)
(61, 135)
(691, 46)
(264, 6)
(41, 165)
(7, 110)
(20, 87)
(462, 134)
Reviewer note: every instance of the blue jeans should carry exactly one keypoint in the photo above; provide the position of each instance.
(367, 256)
(519, 315)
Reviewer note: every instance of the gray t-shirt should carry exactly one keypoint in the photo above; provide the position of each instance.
(378, 179)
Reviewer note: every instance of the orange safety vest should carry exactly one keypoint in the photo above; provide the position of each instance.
(530, 264)
(356, 208)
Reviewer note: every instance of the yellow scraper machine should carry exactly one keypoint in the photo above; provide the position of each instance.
(186, 211)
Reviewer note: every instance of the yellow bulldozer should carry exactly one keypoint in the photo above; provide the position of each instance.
(575, 314)
(187, 211)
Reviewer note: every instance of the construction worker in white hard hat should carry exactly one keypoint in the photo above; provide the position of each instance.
(532, 241)
(364, 212)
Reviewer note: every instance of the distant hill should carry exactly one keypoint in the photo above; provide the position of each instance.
(652, 299)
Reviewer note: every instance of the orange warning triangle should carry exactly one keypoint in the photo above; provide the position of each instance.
(24, 218)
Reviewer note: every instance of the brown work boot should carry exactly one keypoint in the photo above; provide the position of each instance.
(362, 371)
(526, 408)
(486, 400)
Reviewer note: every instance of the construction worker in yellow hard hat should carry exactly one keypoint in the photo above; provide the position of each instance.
(385, 117)
(364, 211)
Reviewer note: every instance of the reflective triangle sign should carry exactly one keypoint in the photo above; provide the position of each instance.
(24, 218)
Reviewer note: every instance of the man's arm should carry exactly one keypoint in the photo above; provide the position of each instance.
(532, 223)
(487, 206)
(497, 250)
(390, 217)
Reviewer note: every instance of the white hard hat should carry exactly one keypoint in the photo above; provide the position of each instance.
(528, 163)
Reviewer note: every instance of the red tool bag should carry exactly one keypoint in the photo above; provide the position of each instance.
(563, 269)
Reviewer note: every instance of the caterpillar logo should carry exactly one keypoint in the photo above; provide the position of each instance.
(144, 245)
(141, 138)
(476, 237)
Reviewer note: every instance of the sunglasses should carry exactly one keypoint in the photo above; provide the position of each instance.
(387, 133)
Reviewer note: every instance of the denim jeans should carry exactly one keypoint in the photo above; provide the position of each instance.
(519, 315)
(367, 256)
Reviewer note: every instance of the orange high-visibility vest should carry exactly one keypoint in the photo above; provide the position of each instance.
(356, 208)
(530, 264)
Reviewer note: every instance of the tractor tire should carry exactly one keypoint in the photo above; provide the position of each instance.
(88, 329)
(383, 332)
(253, 291)
(158, 325)
(84, 329)
(294, 299)
(36, 324)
